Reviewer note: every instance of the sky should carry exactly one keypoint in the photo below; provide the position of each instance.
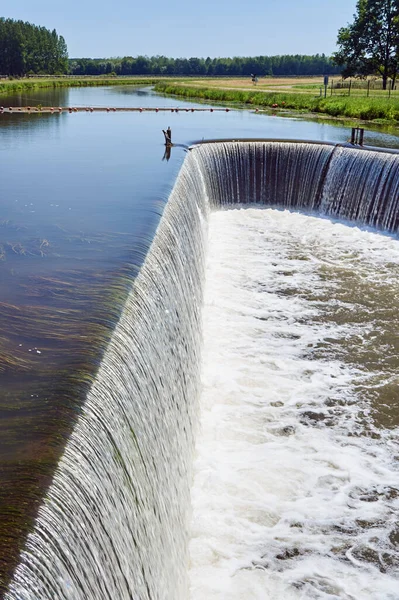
(181, 28)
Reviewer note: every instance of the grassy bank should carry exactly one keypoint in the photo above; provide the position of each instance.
(368, 109)
(10, 87)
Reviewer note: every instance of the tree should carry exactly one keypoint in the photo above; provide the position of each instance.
(62, 55)
(370, 45)
(27, 48)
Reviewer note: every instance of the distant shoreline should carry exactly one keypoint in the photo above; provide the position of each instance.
(269, 96)
(12, 86)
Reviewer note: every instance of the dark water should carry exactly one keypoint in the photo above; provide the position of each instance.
(80, 199)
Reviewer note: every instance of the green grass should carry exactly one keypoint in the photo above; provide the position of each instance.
(367, 109)
(309, 86)
(12, 86)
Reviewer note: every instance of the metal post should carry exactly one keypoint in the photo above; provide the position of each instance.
(357, 136)
(325, 85)
(368, 88)
(350, 85)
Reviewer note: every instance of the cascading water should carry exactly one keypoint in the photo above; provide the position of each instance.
(278, 173)
(114, 523)
(364, 187)
(347, 183)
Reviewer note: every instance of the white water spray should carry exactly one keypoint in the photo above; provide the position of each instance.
(296, 486)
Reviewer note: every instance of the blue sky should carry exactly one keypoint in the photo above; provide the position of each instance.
(105, 28)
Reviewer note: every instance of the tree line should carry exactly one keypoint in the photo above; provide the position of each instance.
(367, 47)
(286, 65)
(27, 48)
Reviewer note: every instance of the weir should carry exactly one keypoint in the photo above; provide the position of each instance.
(115, 520)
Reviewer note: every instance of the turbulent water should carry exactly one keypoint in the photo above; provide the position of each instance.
(296, 484)
(296, 488)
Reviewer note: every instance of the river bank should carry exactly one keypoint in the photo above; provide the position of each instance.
(383, 111)
(11, 86)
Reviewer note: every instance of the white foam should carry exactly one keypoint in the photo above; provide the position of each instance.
(295, 478)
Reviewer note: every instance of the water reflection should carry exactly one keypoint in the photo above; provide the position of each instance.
(43, 96)
(26, 123)
(167, 153)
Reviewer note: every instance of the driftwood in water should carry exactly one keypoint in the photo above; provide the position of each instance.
(168, 136)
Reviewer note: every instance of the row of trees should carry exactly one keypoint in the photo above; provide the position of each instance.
(317, 64)
(26, 48)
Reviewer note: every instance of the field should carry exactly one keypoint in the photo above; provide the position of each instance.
(266, 83)
(299, 85)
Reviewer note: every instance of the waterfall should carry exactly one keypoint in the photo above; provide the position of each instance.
(114, 522)
(363, 187)
(273, 173)
(343, 182)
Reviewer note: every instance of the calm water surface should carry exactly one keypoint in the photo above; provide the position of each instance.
(90, 187)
